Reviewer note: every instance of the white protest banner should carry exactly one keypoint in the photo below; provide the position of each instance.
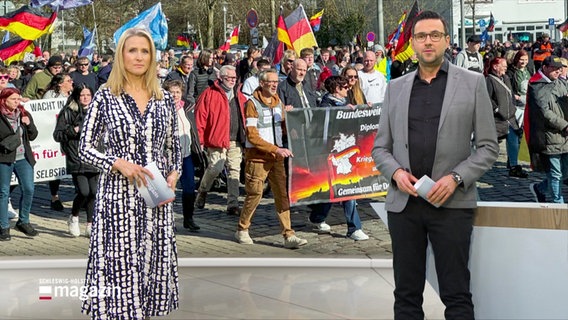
(50, 161)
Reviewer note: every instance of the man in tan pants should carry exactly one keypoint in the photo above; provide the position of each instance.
(265, 158)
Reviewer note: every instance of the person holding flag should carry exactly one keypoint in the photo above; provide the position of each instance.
(245, 66)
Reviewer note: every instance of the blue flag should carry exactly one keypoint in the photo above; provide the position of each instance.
(154, 20)
(484, 37)
(60, 4)
(88, 46)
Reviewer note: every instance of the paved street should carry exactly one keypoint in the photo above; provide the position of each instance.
(215, 239)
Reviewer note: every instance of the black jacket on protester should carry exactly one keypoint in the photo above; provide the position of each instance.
(29, 134)
(177, 74)
(503, 105)
(198, 156)
(103, 74)
(289, 95)
(199, 80)
(71, 116)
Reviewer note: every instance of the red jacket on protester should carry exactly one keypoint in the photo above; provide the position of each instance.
(212, 116)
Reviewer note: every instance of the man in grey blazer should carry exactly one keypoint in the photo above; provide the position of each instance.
(427, 123)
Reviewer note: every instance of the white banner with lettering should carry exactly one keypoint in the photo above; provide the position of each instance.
(50, 161)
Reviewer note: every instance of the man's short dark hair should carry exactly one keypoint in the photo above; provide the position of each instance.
(83, 58)
(251, 50)
(431, 15)
(333, 82)
(262, 63)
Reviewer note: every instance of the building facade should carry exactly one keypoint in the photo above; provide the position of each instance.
(515, 20)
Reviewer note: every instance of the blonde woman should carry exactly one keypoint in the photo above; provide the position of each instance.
(286, 64)
(133, 248)
(15, 77)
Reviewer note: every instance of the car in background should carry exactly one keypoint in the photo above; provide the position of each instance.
(242, 48)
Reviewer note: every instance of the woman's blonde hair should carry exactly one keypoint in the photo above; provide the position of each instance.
(18, 72)
(118, 77)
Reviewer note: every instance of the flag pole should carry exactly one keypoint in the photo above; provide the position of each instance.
(95, 22)
(62, 28)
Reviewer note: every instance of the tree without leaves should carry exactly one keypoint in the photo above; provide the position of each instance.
(342, 20)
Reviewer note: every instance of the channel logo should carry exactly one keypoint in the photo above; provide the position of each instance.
(45, 293)
(77, 292)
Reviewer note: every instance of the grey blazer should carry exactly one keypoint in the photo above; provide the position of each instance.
(466, 112)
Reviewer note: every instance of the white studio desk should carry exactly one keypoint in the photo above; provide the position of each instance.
(519, 260)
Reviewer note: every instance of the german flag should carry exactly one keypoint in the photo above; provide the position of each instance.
(27, 22)
(235, 35)
(282, 32)
(563, 27)
(299, 30)
(315, 21)
(231, 40)
(15, 49)
(183, 40)
(403, 49)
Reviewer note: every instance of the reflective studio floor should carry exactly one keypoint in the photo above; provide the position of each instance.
(222, 288)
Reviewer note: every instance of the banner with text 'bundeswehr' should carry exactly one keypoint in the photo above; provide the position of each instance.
(332, 155)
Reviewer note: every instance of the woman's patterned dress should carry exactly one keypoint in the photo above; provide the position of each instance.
(132, 267)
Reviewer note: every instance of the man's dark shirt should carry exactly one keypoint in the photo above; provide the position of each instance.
(90, 80)
(424, 111)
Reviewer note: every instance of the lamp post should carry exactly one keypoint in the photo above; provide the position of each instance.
(224, 20)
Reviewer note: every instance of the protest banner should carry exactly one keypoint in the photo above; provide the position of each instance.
(50, 161)
(332, 154)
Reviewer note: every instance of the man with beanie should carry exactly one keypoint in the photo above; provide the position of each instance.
(35, 90)
(547, 130)
(39, 82)
(219, 118)
(470, 58)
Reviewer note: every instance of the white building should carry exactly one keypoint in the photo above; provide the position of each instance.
(519, 20)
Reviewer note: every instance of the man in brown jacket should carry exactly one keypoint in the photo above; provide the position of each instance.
(264, 114)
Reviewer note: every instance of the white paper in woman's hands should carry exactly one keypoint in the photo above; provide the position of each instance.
(157, 193)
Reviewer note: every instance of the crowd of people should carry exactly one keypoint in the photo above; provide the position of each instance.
(527, 85)
(199, 114)
(206, 83)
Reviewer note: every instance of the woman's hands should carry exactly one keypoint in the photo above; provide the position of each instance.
(172, 180)
(138, 174)
(135, 173)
